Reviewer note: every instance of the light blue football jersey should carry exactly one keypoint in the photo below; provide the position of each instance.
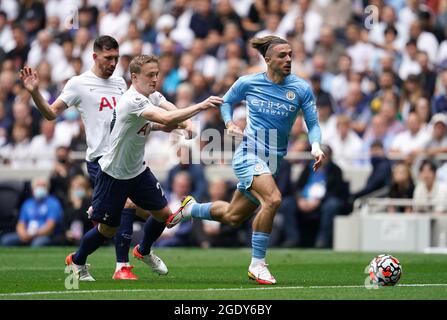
(271, 111)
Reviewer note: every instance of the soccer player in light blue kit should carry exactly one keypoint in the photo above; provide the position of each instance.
(273, 100)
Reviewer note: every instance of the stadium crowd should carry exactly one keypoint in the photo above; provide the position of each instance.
(380, 88)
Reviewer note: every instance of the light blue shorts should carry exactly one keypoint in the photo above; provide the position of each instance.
(249, 165)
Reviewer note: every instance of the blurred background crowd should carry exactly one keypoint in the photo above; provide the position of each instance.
(380, 87)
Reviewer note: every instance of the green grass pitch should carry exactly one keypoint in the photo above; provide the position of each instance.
(220, 274)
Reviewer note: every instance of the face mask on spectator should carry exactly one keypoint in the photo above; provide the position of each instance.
(40, 193)
(71, 115)
(79, 193)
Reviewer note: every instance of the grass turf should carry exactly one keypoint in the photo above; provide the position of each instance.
(220, 274)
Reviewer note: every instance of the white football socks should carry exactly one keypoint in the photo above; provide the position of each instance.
(119, 265)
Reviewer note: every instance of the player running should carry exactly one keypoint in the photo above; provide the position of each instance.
(273, 100)
(123, 173)
(95, 94)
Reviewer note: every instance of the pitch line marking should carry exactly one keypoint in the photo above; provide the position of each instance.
(12, 294)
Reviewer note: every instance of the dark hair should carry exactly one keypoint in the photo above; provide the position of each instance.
(377, 144)
(390, 28)
(3, 14)
(264, 43)
(430, 163)
(105, 43)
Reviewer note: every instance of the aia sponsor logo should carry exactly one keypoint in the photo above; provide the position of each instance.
(107, 103)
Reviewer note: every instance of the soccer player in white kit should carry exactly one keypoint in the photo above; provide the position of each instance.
(95, 94)
(123, 172)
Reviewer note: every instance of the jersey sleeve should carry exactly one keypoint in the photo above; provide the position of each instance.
(234, 95)
(157, 98)
(310, 113)
(70, 94)
(138, 103)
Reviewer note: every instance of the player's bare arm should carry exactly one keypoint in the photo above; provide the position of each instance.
(30, 81)
(187, 125)
(179, 115)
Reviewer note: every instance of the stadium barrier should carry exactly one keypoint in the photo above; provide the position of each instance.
(371, 228)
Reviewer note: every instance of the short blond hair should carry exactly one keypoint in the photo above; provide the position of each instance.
(139, 61)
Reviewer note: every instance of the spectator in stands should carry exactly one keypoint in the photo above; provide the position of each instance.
(377, 131)
(76, 222)
(402, 186)
(388, 110)
(16, 153)
(428, 75)
(438, 143)
(115, 22)
(440, 102)
(424, 40)
(411, 93)
(329, 48)
(380, 176)
(429, 191)
(410, 141)
(19, 53)
(198, 181)
(43, 146)
(39, 220)
(355, 106)
(64, 170)
(321, 195)
(409, 64)
(346, 145)
(202, 19)
(340, 82)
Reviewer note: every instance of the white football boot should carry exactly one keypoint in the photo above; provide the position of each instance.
(157, 265)
(261, 274)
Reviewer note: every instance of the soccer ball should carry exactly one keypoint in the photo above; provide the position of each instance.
(385, 270)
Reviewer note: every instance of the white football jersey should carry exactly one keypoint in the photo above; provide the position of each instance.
(95, 98)
(124, 158)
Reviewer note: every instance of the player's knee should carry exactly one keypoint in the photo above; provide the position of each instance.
(235, 221)
(106, 230)
(273, 201)
(130, 205)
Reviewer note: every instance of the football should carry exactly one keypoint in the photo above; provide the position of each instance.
(385, 270)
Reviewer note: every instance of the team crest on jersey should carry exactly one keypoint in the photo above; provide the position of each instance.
(259, 167)
(290, 95)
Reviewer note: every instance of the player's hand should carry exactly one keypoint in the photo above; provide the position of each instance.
(318, 155)
(234, 131)
(212, 102)
(30, 79)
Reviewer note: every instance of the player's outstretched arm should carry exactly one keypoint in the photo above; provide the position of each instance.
(187, 125)
(30, 81)
(176, 116)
